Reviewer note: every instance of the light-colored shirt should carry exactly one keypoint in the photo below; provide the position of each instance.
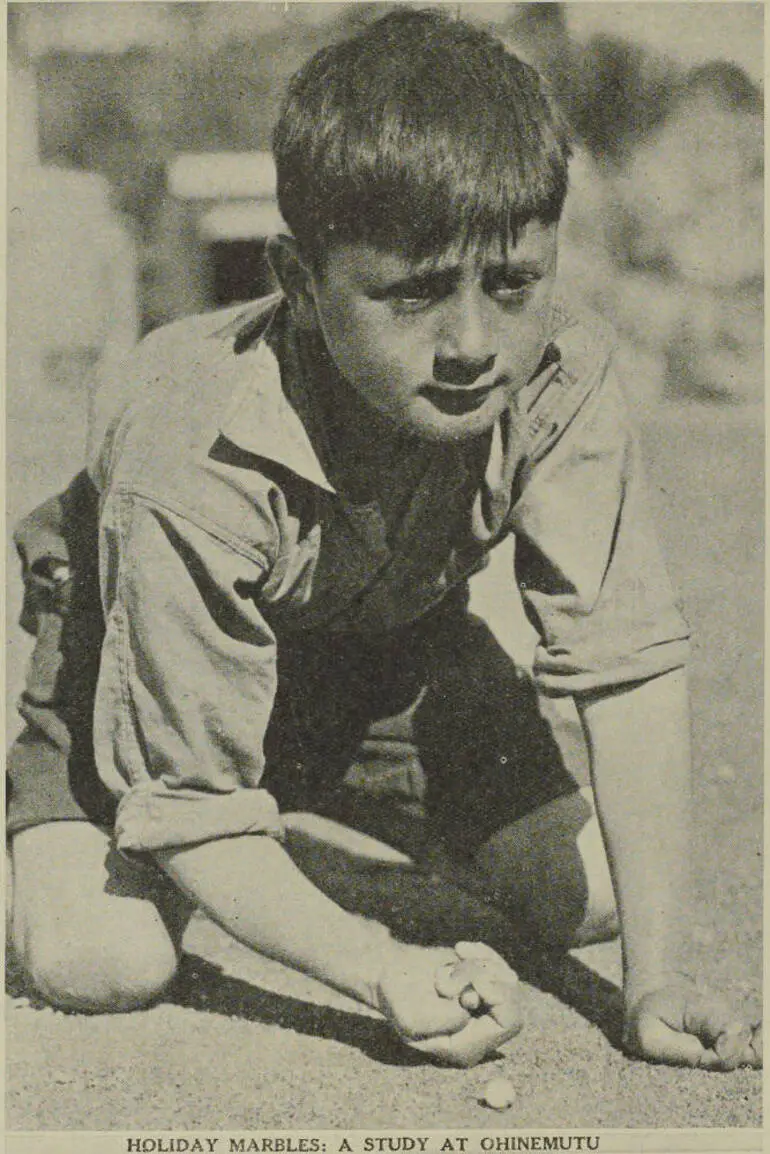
(221, 533)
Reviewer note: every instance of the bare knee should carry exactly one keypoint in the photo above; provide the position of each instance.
(87, 937)
(97, 976)
(550, 870)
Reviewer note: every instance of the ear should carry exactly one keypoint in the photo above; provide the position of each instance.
(292, 274)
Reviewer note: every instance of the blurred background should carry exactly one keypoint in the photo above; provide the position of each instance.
(141, 185)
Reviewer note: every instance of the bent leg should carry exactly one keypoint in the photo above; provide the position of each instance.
(449, 758)
(93, 932)
(504, 769)
(550, 868)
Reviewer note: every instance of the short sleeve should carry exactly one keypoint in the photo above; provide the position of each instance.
(187, 681)
(588, 564)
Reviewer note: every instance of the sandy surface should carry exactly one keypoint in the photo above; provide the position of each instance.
(243, 1044)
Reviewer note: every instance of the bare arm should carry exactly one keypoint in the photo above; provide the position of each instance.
(250, 886)
(640, 752)
(639, 740)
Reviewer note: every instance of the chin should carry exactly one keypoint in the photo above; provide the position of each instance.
(430, 424)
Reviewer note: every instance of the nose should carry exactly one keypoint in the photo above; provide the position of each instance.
(467, 346)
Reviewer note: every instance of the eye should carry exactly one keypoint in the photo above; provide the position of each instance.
(509, 293)
(417, 294)
(413, 303)
(510, 288)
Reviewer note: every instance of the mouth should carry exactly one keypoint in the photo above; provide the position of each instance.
(455, 400)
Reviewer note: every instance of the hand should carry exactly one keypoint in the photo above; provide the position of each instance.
(456, 1005)
(683, 1027)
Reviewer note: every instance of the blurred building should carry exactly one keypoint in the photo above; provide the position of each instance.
(71, 301)
(122, 25)
(686, 226)
(208, 247)
(71, 264)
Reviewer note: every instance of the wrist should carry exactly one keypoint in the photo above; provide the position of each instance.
(638, 985)
(377, 955)
(354, 963)
(658, 957)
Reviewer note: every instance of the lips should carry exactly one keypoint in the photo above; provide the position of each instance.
(455, 401)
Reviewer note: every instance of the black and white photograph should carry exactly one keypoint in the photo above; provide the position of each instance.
(384, 577)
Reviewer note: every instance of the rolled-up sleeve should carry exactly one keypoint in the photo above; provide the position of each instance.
(186, 684)
(588, 564)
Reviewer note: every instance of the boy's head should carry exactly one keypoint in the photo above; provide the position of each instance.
(419, 131)
(422, 172)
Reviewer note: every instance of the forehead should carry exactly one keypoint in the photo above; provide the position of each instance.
(535, 248)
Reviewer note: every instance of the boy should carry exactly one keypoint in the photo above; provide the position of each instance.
(291, 499)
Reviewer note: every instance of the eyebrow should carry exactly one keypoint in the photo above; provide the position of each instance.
(436, 274)
(525, 266)
(416, 281)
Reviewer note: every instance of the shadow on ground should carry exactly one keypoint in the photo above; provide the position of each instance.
(421, 908)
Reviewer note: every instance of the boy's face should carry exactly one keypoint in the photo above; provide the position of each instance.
(440, 347)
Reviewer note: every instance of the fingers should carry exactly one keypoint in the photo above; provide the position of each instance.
(733, 1046)
(470, 1000)
(480, 1038)
(492, 985)
(708, 1019)
(452, 978)
(482, 982)
(740, 1045)
(653, 1039)
(507, 1014)
(478, 951)
(731, 1041)
(690, 1030)
(408, 998)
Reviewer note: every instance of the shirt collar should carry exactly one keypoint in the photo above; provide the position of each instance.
(261, 354)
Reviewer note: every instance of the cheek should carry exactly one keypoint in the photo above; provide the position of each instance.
(407, 353)
(522, 344)
(345, 339)
(372, 351)
(525, 339)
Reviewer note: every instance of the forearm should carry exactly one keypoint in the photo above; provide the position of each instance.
(639, 742)
(250, 886)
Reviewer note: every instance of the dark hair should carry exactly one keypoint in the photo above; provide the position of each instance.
(419, 131)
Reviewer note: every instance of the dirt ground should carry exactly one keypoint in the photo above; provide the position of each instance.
(240, 1043)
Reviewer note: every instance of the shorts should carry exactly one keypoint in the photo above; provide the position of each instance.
(429, 732)
(51, 773)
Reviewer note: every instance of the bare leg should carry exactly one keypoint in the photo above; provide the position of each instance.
(549, 867)
(93, 932)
